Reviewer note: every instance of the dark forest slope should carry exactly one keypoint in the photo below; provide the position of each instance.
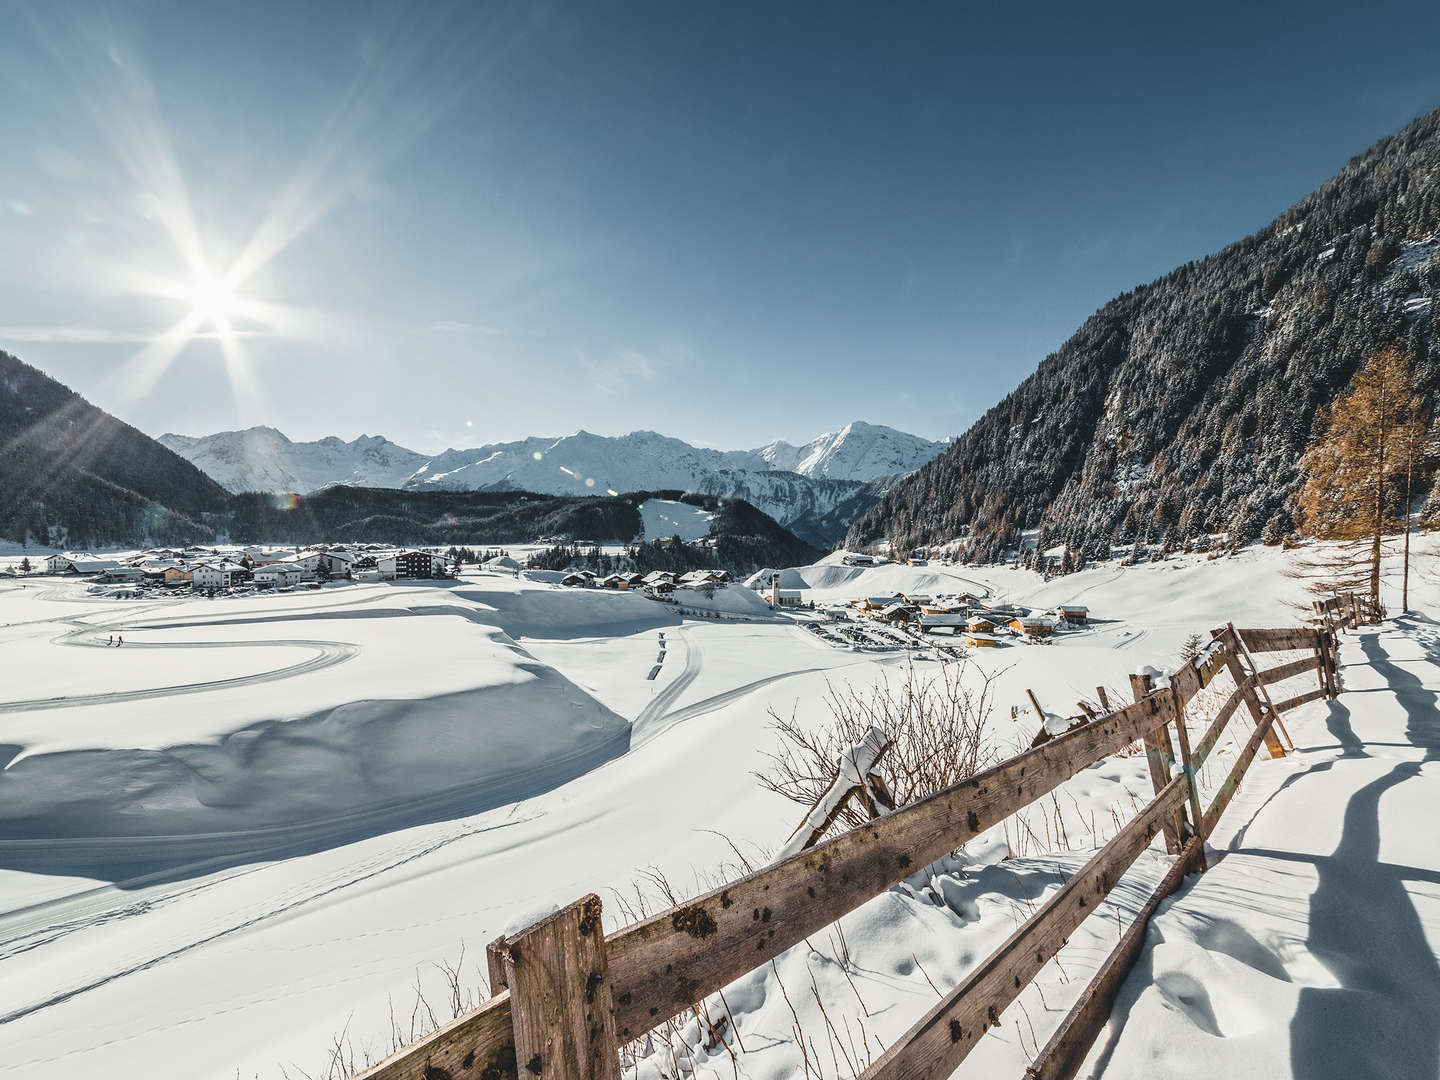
(73, 475)
(1183, 407)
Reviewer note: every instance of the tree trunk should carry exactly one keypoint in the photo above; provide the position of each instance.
(1379, 500)
(1405, 566)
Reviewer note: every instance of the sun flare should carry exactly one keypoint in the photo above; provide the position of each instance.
(213, 301)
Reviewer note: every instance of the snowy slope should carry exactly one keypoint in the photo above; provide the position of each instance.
(263, 459)
(259, 965)
(664, 518)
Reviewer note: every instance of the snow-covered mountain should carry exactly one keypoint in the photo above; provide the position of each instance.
(263, 459)
(858, 451)
(815, 490)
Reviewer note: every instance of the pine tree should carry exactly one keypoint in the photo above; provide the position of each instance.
(1190, 648)
(1350, 470)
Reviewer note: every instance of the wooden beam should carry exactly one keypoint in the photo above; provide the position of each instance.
(1282, 640)
(1298, 700)
(940, 1041)
(1252, 703)
(1192, 786)
(1065, 1053)
(560, 999)
(495, 965)
(480, 1043)
(664, 964)
(1232, 782)
(1159, 754)
(1212, 733)
(1273, 675)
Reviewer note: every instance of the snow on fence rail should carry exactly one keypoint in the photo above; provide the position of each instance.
(568, 995)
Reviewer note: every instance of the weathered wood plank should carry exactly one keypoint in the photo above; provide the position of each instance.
(1212, 733)
(1159, 756)
(1275, 640)
(940, 1041)
(1232, 782)
(1252, 702)
(495, 964)
(1063, 1055)
(560, 999)
(1269, 676)
(1298, 700)
(480, 1043)
(660, 966)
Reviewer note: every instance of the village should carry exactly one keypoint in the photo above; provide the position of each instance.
(230, 571)
(897, 620)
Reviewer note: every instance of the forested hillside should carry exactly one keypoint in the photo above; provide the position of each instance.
(73, 475)
(1183, 407)
(742, 537)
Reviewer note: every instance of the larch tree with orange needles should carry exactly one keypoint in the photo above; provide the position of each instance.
(1357, 470)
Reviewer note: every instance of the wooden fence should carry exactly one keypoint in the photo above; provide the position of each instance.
(567, 995)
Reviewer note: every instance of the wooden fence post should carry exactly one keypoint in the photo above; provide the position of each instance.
(1192, 782)
(1253, 704)
(560, 1001)
(1159, 753)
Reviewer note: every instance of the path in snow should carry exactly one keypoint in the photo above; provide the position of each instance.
(1311, 948)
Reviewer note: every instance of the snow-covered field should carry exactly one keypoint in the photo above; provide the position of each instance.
(263, 822)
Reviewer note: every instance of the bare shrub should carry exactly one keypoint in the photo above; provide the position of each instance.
(936, 724)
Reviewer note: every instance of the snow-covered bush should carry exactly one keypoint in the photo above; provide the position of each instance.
(936, 725)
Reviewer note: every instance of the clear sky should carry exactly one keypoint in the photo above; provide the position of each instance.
(460, 223)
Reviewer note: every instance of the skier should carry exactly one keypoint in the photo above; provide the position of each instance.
(120, 641)
(110, 641)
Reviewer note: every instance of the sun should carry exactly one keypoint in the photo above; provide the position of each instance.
(212, 300)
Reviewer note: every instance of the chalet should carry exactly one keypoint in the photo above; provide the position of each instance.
(84, 565)
(859, 560)
(899, 612)
(705, 577)
(920, 598)
(178, 575)
(325, 563)
(949, 622)
(124, 573)
(217, 575)
(877, 604)
(979, 624)
(278, 575)
(581, 579)
(414, 564)
(615, 581)
(634, 580)
(1073, 614)
(1028, 626)
(656, 577)
(976, 639)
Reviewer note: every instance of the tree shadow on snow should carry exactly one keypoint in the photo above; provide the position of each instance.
(1383, 1020)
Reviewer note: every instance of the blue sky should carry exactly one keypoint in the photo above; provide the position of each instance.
(455, 224)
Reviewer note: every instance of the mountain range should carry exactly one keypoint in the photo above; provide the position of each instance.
(73, 476)
(1182, 407)
(815, 490)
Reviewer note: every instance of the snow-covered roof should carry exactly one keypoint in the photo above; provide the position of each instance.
(1081, 608)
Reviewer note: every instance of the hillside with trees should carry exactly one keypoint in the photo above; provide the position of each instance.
(73, 475)
(1183, 408)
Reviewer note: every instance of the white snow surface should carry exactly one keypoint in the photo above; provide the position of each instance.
(664, 518)
(261, 821)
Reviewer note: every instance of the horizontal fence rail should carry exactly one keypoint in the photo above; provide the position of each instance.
(583, 993)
